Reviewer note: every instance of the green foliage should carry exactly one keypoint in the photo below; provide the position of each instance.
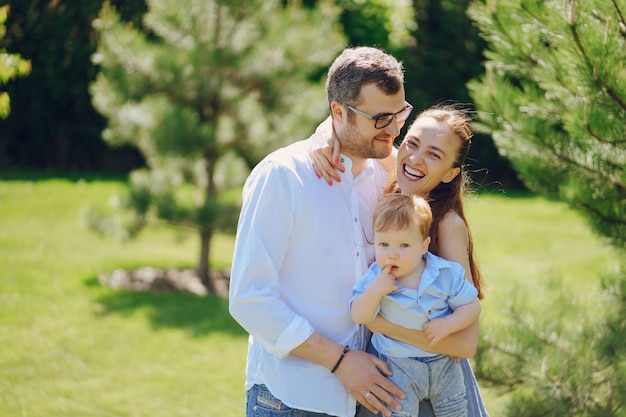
(564, 361)
(554, 99)
(445, 53)
(205, 89)
(11, 67)
(52, 123)
(73, 347)
(383, 23)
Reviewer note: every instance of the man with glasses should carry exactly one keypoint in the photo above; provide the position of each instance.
(381, 121)
(301, 246)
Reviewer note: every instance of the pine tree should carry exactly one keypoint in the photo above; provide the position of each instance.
(554, 100)
(205, 89)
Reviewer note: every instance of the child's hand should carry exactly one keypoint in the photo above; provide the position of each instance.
(325, 157)
(435, 330)
(384, 283)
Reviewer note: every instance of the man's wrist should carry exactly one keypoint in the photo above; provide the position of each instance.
(346, 349)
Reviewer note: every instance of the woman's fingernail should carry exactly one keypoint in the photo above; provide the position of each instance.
(318, 176)
(338, 180)
(330, 183)
(336, 161)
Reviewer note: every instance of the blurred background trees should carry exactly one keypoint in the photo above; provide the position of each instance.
(53, 124)
(440, 48)
(203, 89)
(11, 66)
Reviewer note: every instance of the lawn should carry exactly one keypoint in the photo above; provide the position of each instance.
(71, 347)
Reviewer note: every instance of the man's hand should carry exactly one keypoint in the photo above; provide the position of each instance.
(365, 378)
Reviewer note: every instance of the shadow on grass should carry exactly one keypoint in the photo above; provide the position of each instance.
(197, 315)
(70, 176)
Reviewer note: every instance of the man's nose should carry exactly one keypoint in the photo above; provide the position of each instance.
(394, 128)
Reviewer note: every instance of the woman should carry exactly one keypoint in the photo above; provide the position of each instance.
(429, 163)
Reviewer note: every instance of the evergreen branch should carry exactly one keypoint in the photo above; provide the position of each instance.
(594, 134)
(605, 219)
(602, 140)
(594, 71)
(555, 73)
(564, 157)
(575, 34)
(621, 16)
(498, 378)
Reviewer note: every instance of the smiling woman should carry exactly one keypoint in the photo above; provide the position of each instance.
(430, 165)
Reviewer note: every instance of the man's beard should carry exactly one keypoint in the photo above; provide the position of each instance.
(355, 145)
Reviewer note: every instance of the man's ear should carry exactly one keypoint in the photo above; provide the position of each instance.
(451, 174)
(337, 111)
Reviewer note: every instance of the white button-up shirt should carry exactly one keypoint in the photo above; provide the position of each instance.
(301, 246)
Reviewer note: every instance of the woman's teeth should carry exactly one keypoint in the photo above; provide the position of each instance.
(413, 172)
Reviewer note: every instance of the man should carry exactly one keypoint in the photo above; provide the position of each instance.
(301, 245)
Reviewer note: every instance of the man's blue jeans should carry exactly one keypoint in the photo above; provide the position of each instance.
(261, 403)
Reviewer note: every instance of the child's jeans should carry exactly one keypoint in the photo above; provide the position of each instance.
(438, 378)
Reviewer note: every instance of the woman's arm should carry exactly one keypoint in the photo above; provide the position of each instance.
(325, 150)
(454, 243)
(460, 344)
(325, 154)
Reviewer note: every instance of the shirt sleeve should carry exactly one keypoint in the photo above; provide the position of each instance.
(365, 281)
(263, 236)
(462, 291)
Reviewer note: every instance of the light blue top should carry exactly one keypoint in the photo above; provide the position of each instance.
(441, 290)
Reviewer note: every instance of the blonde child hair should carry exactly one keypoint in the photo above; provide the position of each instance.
(399, 211)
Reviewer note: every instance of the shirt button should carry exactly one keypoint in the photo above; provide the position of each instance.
(342, 160)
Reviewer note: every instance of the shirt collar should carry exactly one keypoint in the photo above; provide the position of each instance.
(368, 171)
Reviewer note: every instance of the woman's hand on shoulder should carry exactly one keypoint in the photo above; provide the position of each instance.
(325, 151)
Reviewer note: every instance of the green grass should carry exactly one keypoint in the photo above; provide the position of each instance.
(71, 347)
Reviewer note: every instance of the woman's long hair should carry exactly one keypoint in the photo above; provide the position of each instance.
(449, 196)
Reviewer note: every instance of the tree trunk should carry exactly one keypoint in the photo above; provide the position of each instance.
(203, 265)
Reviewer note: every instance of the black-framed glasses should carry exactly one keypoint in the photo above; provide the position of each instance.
(383, 120)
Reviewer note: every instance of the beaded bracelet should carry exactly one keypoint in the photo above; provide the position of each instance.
(343, 355)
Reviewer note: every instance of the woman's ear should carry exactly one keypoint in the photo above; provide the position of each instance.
(452, 173)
